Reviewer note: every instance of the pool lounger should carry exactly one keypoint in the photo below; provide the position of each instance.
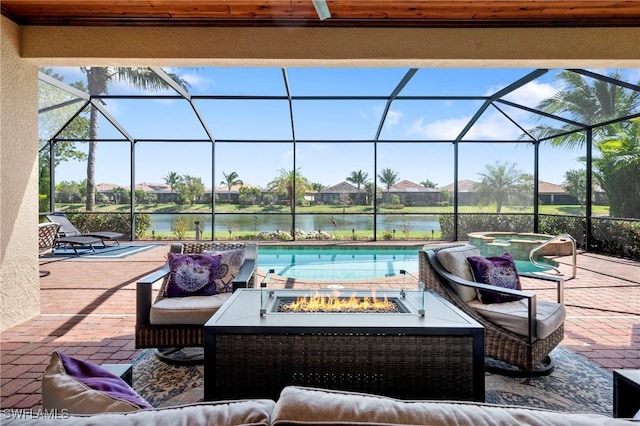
(73, 242)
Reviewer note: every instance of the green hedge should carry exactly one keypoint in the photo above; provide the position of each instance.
(615, 237)
(468, 223)
(115, 222)
(575, 226)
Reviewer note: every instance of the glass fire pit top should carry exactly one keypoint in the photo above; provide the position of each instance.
(248, 309)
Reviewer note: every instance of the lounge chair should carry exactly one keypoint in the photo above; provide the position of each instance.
(520, 334)
(69, 234)
(178, 322)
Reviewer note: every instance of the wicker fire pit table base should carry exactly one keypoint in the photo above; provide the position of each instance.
(438, 355)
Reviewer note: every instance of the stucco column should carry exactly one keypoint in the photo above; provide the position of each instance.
(19, 278)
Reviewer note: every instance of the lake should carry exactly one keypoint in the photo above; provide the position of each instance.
(305, 222)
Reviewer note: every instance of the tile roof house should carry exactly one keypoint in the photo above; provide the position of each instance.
(412, 194)
(341, 193)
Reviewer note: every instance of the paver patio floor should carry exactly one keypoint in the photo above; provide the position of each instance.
(88, 310)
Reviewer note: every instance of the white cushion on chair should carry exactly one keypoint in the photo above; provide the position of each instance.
(513, 316)
(454, 260)
(186, 310)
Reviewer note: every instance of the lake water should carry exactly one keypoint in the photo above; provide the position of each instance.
(306, 222)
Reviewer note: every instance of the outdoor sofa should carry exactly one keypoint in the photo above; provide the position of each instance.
(311, 406)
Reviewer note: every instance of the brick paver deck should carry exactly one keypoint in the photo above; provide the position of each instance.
(88, 310)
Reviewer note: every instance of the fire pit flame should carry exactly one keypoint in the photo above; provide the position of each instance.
(337, 303)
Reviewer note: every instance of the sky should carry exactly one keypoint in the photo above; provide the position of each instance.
(348, 122)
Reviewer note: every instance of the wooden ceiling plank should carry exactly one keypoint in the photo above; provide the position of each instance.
(344, 12)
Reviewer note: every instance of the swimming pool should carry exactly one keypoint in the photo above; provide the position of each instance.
(338, 263)
(348, 263)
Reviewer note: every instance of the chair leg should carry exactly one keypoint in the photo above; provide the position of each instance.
(183, 356)
(545, 368)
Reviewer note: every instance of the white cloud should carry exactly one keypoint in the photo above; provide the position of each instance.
(441, 129)
(393, 117)
(489, 126)
(532, 94)
(196, 81)
(493, 126)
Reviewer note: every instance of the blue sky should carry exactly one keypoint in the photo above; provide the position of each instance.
(326, 163)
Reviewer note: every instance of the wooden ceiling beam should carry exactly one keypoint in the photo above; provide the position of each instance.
(410, 13)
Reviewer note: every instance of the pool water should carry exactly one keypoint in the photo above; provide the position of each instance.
(347, 263)
(526, 266)
(338, 263)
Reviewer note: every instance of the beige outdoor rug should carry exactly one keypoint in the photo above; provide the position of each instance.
(575, 385)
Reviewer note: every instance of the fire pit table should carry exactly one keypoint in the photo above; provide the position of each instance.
(423, 349)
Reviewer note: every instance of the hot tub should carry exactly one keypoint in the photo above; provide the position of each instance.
(519, 245)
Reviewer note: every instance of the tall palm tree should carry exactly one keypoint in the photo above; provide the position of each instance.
(172, 179)
(596, 103)
(388, 177)
(617, 170)
(499, 182)
(290, 183)
(230, 180)
(358, 178)
(99, 79)
(586, 103)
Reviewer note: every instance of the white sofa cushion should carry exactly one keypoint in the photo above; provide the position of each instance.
(186, 310)
(220, 413)
(454, 260)
(307, 406)
(513, 316)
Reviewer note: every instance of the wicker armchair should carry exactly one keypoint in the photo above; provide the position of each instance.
(169, 337)
(47, 235)
(47, 238)
(518, 354)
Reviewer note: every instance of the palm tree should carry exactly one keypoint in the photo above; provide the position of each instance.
(388, 177)
(617, 170)
(317, 186)
(499, 182)
(290, 183)
(172, 179)
(429, 184)
(358, 178)
(589, 104)
(99, 79)
(230, 180)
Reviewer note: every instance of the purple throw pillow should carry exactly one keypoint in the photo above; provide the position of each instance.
(97, 378)
(499, 271)
(192, 275)
(230, 264)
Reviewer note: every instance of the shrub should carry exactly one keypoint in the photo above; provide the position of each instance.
(468, 223)
(116, 222)
(618, 238)
(180, 229)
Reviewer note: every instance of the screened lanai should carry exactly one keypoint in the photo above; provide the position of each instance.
(344, 153)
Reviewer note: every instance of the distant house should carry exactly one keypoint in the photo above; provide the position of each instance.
(412, 194)
(550, 193)
(466, 191)
(341, 193)
(225, 193)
